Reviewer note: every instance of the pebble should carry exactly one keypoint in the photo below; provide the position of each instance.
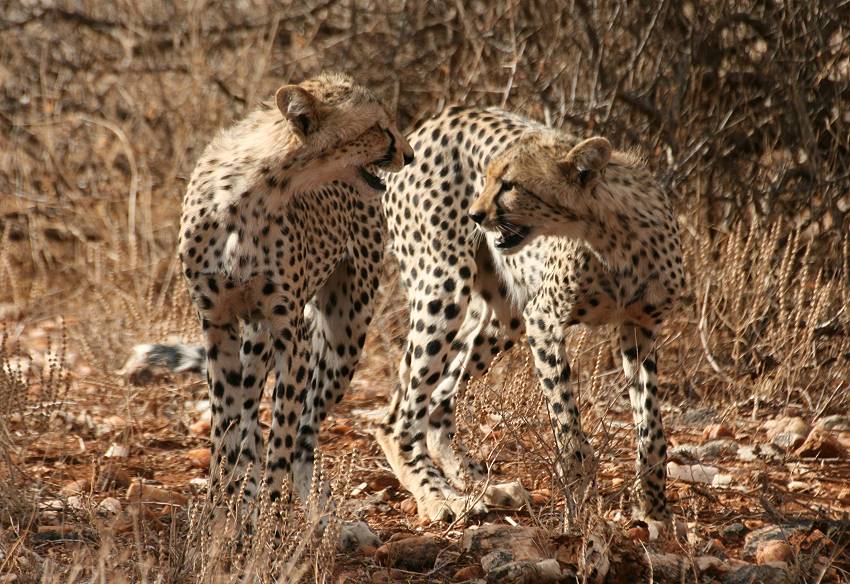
(821, 444)
(720, 448)
(836, 423)
(77, 487)
(771, 533)
(786, 425)
(722, 480)
(496, 559)
(152, 494)
(200, 428)
(715, 431)
(769, 552)
(116, 450)
(468, 573)
(734, 531)
(691, 473)
(524, 543)
(199, 457)
(788, 440)
(416, 554)
(639, 534)
(110, 506)
(408, 506)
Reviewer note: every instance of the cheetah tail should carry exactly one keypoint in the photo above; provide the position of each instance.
(147, 359)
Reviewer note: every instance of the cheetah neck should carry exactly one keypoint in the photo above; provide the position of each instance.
(602, 225)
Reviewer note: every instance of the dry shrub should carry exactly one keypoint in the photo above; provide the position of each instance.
(740, 106)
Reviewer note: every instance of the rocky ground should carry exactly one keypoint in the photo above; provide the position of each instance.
(761, 492)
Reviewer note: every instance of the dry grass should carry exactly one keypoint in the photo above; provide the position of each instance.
(741, 107)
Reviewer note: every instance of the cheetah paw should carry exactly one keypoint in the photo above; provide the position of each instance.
(355, 536)
(511, 495)
(450, 508)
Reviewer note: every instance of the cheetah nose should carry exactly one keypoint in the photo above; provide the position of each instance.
(408, 158)
(477, 216)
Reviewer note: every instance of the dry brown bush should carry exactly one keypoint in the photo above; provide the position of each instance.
(741, 106)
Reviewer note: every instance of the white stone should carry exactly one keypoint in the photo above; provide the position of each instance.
(722, 480)
(117, 451)
(691, 473)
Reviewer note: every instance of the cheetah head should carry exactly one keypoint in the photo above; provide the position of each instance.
(334, 119)
(541, 185)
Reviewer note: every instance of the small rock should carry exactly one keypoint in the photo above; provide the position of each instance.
(496, 559)
(523, 542)
(715, 431)
(540, 496)
(748, 453)
(798, 486)
(358, 536)
(117, 451)
(639, 534)
(109, 506)
(151, 494)
(769, 552)
(788, 440)
(409, 507)
(718, 449)
(722, 480)
(199, 457)
(698, 416)
(834, 423)
(710, 565)
(786, 425)
(691, 473)
(772, 533)
(821, 444)
(77, 487)
(416, 554)
(382, 480)
(468, 573)
(684, 453)
(201, 428)
(753, 574)
(734, 531)
(527, 572)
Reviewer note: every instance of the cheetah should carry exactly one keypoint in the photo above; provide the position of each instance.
(505, 226)
(282, 216)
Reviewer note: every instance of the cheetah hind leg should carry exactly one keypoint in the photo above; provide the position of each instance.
(486, 339)
(337, 319)
(462, 470)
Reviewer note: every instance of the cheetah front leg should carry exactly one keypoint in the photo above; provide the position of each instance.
(639, 365)
(575, 459)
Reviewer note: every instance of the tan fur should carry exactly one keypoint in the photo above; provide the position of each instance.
(282, 210)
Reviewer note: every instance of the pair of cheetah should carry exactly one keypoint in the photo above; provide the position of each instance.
(501, 227)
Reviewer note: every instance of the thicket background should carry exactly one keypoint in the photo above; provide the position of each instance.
(742, 107)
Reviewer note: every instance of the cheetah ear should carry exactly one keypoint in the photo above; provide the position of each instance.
(299, 107)
(586, 161)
